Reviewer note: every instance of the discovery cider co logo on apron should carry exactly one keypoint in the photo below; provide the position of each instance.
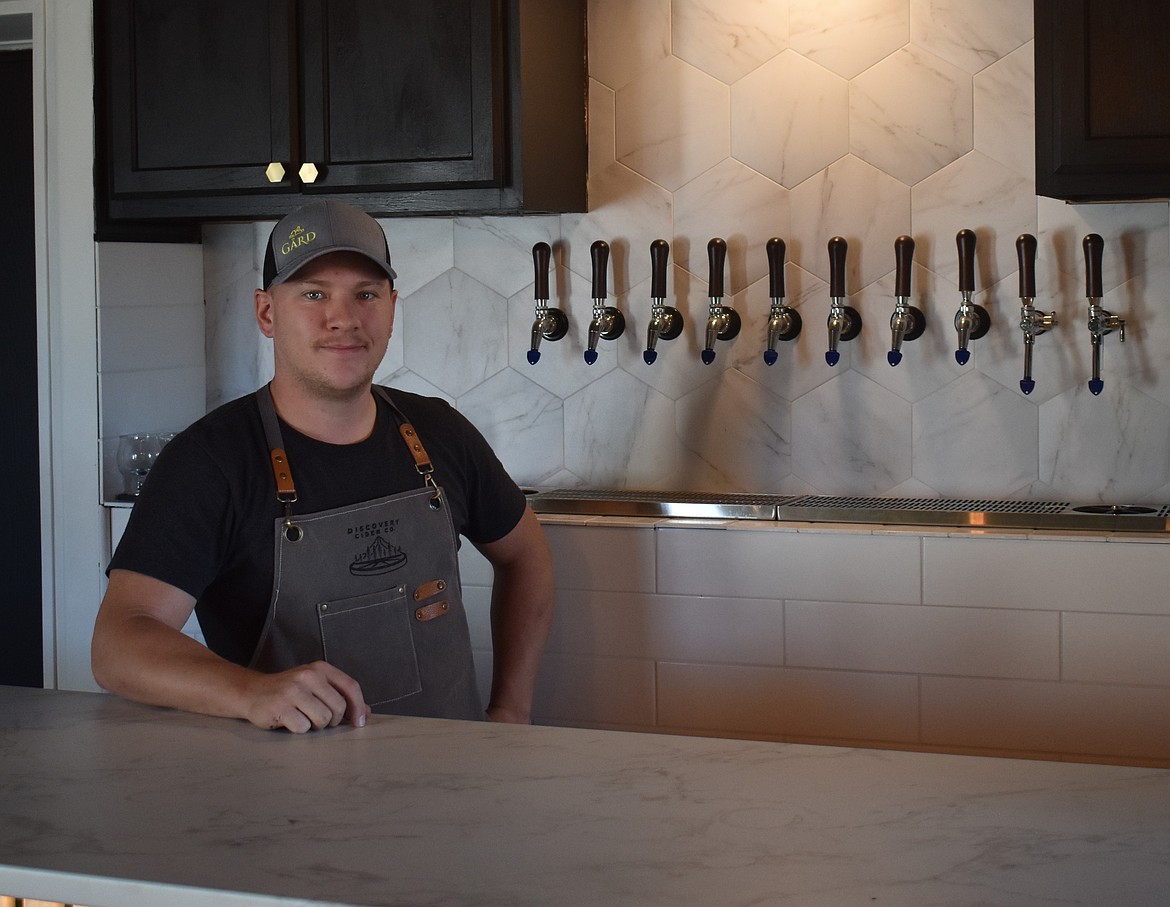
(379, 556)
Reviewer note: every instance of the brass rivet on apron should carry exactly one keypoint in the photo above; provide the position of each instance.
(324, 607)
(440, 585)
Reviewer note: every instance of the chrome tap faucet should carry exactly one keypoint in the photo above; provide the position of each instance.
(971, 321)
(608, 322)
(907, 323)
(1033, 322)
(1101, 321)
(550, 323)
(783, 320)
(666, 322)
(723, 322)
(844, 321)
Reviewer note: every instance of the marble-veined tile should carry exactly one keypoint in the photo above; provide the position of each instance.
(800, 363)
(497, 251)
(970, 35)
(1005, 111)
(421, 248)
(626, 38)
(927, 362)
(561, 367)
(457, 329)
(847, 36)
(1137, 239)
(522, 421)
(851, 436)
(857, 201)
(910, 114)
(677, 368)
(406, 380)
(602, 100)
(1109, 448)
(727, 38)
(1142, 359)
(974, 436)
(980, 194)
(620, 433)
(789, 118)
(626, 210)
(740, 429)
(734, 202)
(672, 123)
(229, 252)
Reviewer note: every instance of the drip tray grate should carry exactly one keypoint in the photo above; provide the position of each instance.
(958, 512)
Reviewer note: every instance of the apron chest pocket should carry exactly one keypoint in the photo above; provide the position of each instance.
(369, 638)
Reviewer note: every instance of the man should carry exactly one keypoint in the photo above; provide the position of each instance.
(312, 526)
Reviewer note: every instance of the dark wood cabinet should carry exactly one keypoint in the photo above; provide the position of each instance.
(222, 109)
(1102, 99)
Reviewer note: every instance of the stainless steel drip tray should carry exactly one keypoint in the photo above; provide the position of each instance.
(972, 513)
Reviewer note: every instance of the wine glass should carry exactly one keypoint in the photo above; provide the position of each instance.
(136, 454)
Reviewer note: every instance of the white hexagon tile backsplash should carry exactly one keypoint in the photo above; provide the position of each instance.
(802, 119)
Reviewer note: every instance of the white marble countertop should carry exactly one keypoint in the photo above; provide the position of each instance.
(106, 803)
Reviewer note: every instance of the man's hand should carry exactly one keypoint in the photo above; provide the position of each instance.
(316, 695)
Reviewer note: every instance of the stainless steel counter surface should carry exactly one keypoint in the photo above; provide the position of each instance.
(107, 803)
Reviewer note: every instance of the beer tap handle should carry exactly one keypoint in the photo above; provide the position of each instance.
(776, 250)
(549, 323)
(666, 322)
(904, 262)
(1094, 247)
(1026, 254)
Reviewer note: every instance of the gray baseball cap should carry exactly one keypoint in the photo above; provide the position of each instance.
(317, 229)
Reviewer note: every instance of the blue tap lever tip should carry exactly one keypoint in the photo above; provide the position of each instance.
(590, 357)
(649, 356)
(1027, 385)
(893, 357)
(1096, 385)
(533, 357)
(770, 357)
(708, 356)
(832, 357)
(962, 356)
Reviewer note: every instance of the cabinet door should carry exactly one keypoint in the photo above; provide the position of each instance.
(195, 104)
(1102, 119)
(402, 94)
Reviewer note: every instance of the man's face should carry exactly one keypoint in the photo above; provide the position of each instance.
(330, 324)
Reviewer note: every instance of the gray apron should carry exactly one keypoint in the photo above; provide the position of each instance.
(372, 588)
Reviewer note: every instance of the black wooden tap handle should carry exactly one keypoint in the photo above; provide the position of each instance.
(716, 258)
(1026, 253)
(965, 240)
(541, 255)
(904, 261)
(776, 250)
(1094, 248)
(838, 249)
(659, 256)
(600, 252)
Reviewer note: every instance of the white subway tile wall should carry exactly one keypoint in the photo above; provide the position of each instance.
(1017, 645)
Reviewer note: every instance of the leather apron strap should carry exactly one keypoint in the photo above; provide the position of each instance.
(372, 588)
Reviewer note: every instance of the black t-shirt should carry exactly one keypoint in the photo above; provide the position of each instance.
(204, 521)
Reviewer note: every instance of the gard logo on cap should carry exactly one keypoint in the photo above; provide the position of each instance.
(297, 238)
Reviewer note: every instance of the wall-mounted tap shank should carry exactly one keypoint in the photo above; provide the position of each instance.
(666, 322)
(784, 322)
(907, 323)
(971, 321)
(550, 323)
(1101, 321)
(722, 321)
(1033, 322)
(844, 321)
(608, 323)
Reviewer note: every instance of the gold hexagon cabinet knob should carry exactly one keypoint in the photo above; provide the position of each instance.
(274, 172)
(308, 173)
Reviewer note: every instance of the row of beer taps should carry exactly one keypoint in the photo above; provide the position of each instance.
(907, 323)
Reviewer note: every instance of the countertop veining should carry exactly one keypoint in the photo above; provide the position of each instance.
(105, 802)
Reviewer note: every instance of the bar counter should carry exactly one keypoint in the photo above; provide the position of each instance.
(111, 804)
